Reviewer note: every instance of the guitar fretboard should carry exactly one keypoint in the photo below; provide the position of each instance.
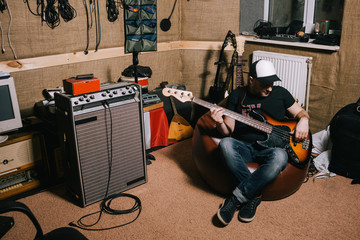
(262, 126)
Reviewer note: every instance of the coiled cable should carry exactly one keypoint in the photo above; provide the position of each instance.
(112, 10)
(67, 12)
(51, 15)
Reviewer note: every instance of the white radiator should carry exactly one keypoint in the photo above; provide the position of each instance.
(294, 72)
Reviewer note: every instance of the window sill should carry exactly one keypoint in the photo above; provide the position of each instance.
(295, 44)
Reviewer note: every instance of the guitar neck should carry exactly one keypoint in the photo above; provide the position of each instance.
(173, 105)
(262, 126)
(239, 72)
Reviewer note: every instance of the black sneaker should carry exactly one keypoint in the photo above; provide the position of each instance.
(247, 212)
(227, 209)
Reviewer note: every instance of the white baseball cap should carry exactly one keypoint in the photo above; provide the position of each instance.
(264, 71)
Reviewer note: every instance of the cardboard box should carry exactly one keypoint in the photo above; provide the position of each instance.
(80, 86)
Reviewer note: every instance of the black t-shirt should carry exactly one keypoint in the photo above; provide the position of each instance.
(274, 105)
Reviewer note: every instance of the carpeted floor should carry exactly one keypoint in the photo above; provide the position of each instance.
(177, 204)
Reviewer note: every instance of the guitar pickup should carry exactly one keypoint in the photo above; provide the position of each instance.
(306, 144)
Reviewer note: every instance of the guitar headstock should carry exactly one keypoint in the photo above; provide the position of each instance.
(181, 95)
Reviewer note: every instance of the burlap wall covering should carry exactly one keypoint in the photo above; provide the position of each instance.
(29, 84)
(335, 75)
(324, 75)
(209, 20)
(335, 79)
(31, 38)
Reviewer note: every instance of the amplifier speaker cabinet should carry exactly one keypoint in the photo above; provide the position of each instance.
(102, 138)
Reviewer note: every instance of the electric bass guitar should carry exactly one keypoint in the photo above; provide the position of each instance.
(278, 133)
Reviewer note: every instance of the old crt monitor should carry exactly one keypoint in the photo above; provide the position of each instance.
(10, 118)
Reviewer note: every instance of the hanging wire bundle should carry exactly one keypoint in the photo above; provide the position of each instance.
(112, 9)
(67, 12)
(50, 13)
(3, 6)
(92, 8)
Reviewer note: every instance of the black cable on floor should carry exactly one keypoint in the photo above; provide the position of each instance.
(106, 208)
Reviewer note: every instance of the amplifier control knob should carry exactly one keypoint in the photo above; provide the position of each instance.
(81, 99)
(103, 94)
(92, 97)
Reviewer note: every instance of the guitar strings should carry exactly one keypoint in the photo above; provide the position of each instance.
(258, 124)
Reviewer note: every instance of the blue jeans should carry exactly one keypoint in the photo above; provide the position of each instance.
(236, 154)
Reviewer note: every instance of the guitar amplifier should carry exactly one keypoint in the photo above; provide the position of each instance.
(102, 139)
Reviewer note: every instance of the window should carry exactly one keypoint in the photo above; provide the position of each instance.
(282, 12)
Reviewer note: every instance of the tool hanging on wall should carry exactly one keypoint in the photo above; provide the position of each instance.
(4, 5)
(165, 24)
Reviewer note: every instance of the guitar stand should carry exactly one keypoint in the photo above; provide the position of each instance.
(135, 63)
(219, 89)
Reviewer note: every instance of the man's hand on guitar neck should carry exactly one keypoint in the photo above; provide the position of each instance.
(216, 114)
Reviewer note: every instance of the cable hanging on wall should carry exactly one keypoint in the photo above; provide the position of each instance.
(165, 24)
(88, 26)
(67, 12)
(92, 8)
(112, 9)
(3, 6)
(38, 3)
(98, 25)
(50, 13)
